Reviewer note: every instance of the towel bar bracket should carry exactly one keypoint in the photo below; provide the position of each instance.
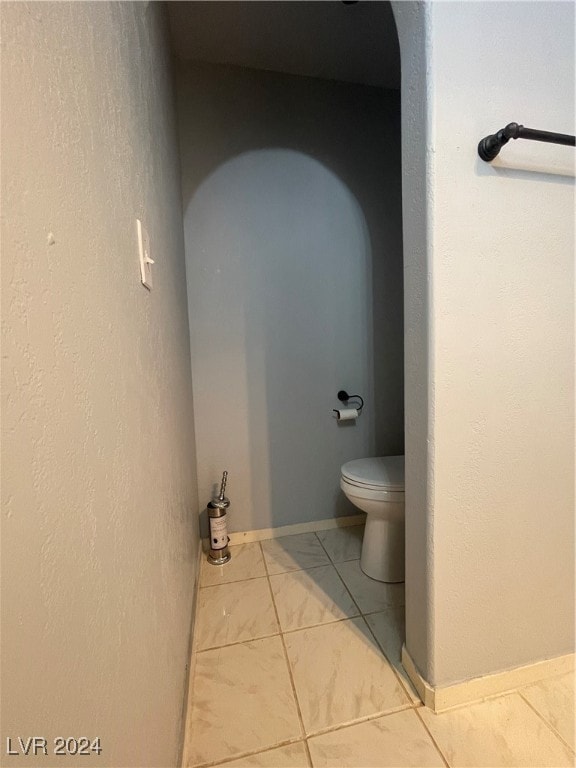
(490, 146)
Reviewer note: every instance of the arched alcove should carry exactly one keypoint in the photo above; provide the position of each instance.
(303, 174)
(279, 270)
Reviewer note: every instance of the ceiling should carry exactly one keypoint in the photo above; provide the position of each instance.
(354, 42)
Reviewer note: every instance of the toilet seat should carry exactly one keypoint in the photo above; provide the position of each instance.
(383, 473)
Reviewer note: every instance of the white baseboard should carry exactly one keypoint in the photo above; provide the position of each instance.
(260, 534)
(445, 697)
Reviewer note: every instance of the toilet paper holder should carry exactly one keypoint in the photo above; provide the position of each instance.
(344, 397)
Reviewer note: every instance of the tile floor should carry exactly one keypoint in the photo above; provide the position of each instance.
(297, 663)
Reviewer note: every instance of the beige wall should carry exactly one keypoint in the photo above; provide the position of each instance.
(496, 574)
(292, 214)
(99, 526)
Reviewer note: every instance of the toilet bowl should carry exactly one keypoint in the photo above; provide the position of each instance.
(376, 486)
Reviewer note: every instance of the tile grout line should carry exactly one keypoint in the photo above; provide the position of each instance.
(247, 753)
(233, 581)
(357, 560)
(227, 584)
(333, 564)
(321, 624)
(383, 610)
(288, 632)
(395, 672)
(359, 720)
(549, 725)
(413, 704)
(299, 570)
(429, 732)
(237, 642)
(287, 659)
(280, 573)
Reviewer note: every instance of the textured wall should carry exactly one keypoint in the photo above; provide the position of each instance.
(497, 569)
(99, 524)
(503, 273)
(294, 260)
(413, 31)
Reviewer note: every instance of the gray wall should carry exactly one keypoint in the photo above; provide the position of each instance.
(99, 526)
(497, 564)
(411, 22)
(292, 200)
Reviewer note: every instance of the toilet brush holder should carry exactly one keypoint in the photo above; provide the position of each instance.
(219, 551)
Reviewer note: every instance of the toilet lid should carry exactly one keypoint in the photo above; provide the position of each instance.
(381, 472)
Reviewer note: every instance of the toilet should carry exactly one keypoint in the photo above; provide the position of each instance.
(376, 486)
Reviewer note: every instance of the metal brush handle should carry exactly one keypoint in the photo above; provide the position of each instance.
(221, 496)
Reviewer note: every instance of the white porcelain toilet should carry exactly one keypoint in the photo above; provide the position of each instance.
(376, 486)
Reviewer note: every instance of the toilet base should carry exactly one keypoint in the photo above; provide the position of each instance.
(383, 549)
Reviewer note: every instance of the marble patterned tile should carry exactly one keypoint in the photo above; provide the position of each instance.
(246, 563)
(370, 595)
(342, 543)
(496, 733)
(231, 613)
(314, 596)
(388, 742)
(290, 756)
(293, 553)
(341, 675)
(242, 702)
(388, 627)
(554, 700)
